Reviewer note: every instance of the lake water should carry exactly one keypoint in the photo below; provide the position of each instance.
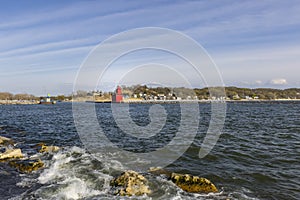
(256, 157)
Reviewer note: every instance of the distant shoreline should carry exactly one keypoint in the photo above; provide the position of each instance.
(18, 102)
(32, 102)
(193, 101)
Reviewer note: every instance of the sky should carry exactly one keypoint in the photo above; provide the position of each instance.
(43, 44)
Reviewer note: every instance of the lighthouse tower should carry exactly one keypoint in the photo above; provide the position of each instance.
(118, 96)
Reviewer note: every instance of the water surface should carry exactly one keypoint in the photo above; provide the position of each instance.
(256, 157)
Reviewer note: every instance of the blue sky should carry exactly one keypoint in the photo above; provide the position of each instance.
(43, 43)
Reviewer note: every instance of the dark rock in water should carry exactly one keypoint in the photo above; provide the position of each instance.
(193, 184)
(11, 154)
(27, 166)
(131, 183)
(43, 148)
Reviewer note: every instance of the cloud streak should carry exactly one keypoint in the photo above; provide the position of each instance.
(278, 81)
(261, 38)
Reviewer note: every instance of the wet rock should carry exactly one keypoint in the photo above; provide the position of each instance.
(193, 184)
(6, 141)
(131, 183)
(11, 154)
(186, 182)
(43, 148)
(27, 166)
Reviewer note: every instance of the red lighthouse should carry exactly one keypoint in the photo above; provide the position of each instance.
(118, 96)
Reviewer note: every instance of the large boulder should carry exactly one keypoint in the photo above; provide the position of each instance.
(11, 154)
(193, 184)
(186, 182)
(130, 183)
(27, 166)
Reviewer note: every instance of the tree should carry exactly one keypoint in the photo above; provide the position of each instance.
(6, 96)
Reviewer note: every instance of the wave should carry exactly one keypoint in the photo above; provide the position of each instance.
(74, 174)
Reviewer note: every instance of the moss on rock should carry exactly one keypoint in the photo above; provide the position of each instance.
(131, 183)
(43, 148)
(27, 166)
(11, 154)
(6, 141)
(193, 184)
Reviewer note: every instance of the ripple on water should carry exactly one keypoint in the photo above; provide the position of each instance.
(256, 157)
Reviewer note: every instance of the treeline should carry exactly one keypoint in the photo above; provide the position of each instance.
(82, 93)
(9, 96)
(237, 93)
(263, 93)
(62, 98)
(233, 93)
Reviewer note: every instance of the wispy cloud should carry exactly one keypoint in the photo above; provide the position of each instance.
(249, 40)
(48, 47)
(278, 81)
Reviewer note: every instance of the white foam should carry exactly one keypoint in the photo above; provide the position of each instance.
(55, 169)
(66, 175)
(76, 189)
(73, 174)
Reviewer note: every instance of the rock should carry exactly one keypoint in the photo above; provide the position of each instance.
(193, 184)
(131, 183)
(10, 154)
(186, 182)
(6, 141)
(28, 165)
(44, 148)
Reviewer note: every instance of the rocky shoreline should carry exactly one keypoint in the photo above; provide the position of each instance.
(15, 158)
(128, 183)
(131, 183)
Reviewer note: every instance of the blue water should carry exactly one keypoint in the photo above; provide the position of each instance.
(256, 157)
